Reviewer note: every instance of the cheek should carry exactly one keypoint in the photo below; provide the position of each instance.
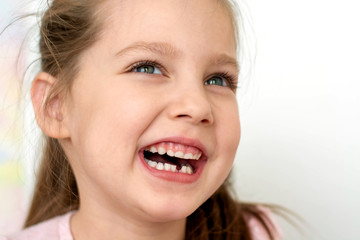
(233, 132)
(105, 129)
(111, 123)
(227, 135)
(228, 124)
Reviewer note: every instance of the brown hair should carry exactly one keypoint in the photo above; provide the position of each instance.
(68, 27)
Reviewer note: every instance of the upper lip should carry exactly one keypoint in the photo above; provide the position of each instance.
(184, 141)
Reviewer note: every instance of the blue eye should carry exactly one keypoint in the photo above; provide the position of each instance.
(147, 69)
(216, 80)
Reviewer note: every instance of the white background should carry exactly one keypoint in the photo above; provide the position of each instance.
(300, 145)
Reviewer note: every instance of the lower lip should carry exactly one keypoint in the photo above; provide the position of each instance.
(174, 176)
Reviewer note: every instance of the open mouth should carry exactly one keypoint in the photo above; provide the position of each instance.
(174, 158)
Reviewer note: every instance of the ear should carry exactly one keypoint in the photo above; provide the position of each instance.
(48, 116)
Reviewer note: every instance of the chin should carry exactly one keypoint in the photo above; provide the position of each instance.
(171, 211)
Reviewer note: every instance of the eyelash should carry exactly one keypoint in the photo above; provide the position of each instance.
(146, 63)
(230, 79)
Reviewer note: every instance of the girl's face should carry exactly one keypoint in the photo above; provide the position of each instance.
(158, 80)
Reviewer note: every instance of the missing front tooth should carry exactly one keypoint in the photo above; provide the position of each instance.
(167, 159)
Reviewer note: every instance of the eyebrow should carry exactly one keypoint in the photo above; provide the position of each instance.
(166, 49)
(224, 59)
(160, 48)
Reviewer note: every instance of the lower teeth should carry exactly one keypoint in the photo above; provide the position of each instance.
(169, 167)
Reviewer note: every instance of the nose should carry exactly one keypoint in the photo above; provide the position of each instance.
(191, 105)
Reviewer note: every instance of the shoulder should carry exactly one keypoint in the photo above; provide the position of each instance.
(257, 226)
(57, 228)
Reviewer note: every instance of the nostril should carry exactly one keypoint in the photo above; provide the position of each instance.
(183, 115)
(205, 121)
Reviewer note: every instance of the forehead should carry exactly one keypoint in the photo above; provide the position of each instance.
(202, 24)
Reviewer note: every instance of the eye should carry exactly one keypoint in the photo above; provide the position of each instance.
(217, 80)
(146, 67)
(223, 79)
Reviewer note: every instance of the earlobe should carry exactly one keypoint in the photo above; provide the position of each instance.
(49, 110)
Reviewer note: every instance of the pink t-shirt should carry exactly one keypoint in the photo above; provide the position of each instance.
(58, 228)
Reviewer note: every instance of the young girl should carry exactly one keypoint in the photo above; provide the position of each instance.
(137, 102)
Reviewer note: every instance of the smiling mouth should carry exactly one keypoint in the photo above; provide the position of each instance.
(171, 157)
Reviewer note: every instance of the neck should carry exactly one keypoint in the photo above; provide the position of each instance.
(89, 226)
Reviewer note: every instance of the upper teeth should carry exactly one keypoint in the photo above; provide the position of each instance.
(173, 153)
